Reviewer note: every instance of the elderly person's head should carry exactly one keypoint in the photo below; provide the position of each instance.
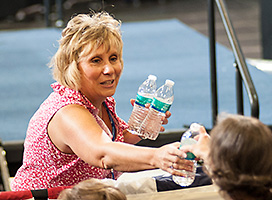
(84, 34)
(240, 157)
(92, 189)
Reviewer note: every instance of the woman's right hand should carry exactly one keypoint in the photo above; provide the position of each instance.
(169, 158)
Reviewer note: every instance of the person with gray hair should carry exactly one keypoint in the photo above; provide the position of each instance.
(76, 134)
(237, 156)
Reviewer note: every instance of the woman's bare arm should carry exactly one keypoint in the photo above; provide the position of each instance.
(74, 130)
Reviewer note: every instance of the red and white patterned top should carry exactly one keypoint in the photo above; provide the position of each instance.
(44, 166)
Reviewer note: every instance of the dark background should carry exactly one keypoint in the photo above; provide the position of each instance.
(251, 18)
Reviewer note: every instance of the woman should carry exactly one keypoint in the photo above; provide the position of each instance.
(238, 157)
(70, 137)
(92, 189)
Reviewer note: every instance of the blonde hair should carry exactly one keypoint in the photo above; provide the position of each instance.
(83, 34)
(240, 157)
(92, 189)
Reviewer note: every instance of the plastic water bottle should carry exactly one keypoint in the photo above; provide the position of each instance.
(187, 139)
(145, 95)
(162, 101)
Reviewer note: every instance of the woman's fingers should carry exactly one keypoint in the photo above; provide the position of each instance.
(183, 164)
(168, 114)
(132, 101)
(165, 118)
(162, 129)
(173, 160)
(165, 121)
(175, 168)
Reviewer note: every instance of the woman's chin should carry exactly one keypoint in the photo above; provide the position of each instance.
(110, 93)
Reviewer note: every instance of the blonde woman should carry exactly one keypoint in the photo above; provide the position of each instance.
(76, 134)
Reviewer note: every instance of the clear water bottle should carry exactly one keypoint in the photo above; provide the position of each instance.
(162, 101)
(188, 139)
(145, 95)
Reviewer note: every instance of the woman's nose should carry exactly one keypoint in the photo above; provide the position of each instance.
(108, 69)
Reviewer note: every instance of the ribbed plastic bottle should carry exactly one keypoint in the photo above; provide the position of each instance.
(187, 139)
(162, 101)
(145, 95)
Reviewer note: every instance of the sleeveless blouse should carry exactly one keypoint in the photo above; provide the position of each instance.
(44, 165)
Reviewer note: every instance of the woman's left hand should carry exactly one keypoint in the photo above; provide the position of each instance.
(164, 120)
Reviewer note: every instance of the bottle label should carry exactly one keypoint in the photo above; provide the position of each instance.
(160, 106)
(141, 100)
(188, 141)
(190, 156)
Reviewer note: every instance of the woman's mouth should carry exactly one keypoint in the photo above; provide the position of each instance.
(107, 83)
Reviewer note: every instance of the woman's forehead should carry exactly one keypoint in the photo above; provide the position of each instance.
(102, 48)
(91, 50)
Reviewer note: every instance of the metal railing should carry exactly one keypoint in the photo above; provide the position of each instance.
(242, 73)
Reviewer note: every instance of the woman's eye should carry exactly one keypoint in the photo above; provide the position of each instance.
(96, 60)
(113, 58)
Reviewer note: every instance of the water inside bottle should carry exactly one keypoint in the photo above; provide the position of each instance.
(186, 180)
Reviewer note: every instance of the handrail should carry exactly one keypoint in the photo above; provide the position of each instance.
(240, 60)
(213, 70)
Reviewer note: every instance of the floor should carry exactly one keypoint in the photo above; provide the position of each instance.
(243, 14)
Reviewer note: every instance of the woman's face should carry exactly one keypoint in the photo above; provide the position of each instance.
(101, 70)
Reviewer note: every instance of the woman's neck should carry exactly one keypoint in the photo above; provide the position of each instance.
(96, 102)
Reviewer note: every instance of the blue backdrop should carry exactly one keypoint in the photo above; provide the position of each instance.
(167, 48)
